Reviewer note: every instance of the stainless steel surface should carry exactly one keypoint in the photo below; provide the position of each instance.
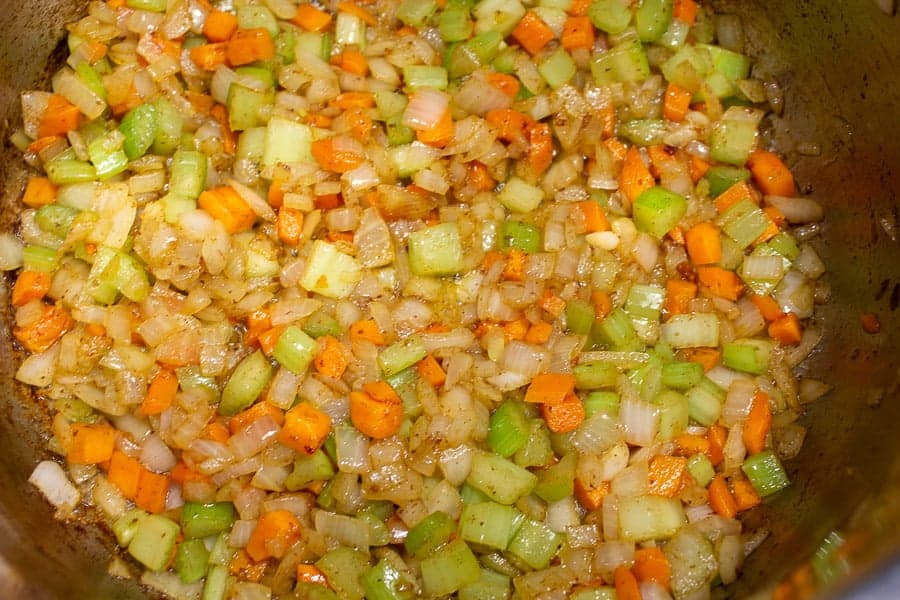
(838, 64)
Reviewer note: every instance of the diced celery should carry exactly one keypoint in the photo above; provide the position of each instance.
(344, 568)
(488, 524)
(401, 355)
(676, 35)
(416, 13)
(390, 104)
(612, 16)
(645, 301)
(40, 259)
(722, 177)
(314, 591)
(460, 60)
(263, 75)
(285, 43)
(594, 375)
(286, 142)
(617, 331)
(785, 245)
(622, 63)
(557, 481)
(673, 415)
(191, 560)
(694, 330)
(385, 581)
(501, 16)
(150, 5)
(535, 544)
(126, 526)
(748, 355)
(294, 350)
(174, 206)
(313, 43)
(744, 222)
(502, 481)
(682, 375)
(399, 134)
(254, 16)
(701, 469)
(643, 132)
(490, 586)
(216, 583)
(429, 534)
(704, 407)
(658, 210)
(519, 196)
(330, 272)
(200, 520)
(435, 251)
(168, 127)
(153, 542)
(557, 69)
(412, 158)
(732, 65)
(188, 175)
(425, 76)
(307, 469)
(765, 472)
(505, 61)
(732, 253)
(517, 234)
(321, 323)
(454, 23)
(129, 277)
(55, 218)
(65, 172)
(579, 316)
(605, 402)
(538, 451)
(604, 592)
(687, 68)
(732, 140)
(652, 18)
(139, 129)
(252, 144)
(485, 46)
(508, 431)
(244, 106)
(693, 562)
(246, 383)
(449, 568)
(470, 495)
(643, 518)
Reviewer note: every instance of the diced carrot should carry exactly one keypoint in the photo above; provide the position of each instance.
(786, 329)
(616, 147)
(491, 257)
(717, 436)
(367, 330)
(359, 11)
(676, 103)
(225, 205)
(435, 328)
(311, 18)
(245, 568)
(720, 498)
(515, 265)
(773, 216)
(160, 393)
(124, 473)
(215, 431)
(115, 4)
(591, 498)
(602, 302)
(42, 143)
(355, 62)
(552, 303)
(353, 100)
(254, 413)
(359, 123)
(275, 532)
(90, 444)
(698, 167)
(767, 306)
(95, 329)
(565, 416)
(181, 474)
(305, 428)
(330, 360)
(250, 45)
(516, 330)
(771, 174)
(707, 357)
(540, 148)
(550, 388)
(258, 321)
(332, 158)
(593, 216)
(318, 120)
(650, 564)
(737, 192)
(219, 26)
(210, 56)
(507, 84)
(538, 333)
(168, 47)
(39, 192)
(870, 323)
(532, 33)
(665, 475)
(756, 427)
(339, 236)
(510, 123)
(268, 339)
(30, 286)
(202, 103)
(607, 117)
(479, 176)
(578, 32)
(744, 495)
(626, 584)
(430, 370)
(720, 282)
(690, 444)
(704, 245)
(329, 201)
(375, 412)
(39, 336)
(60, 117)
(440, 134)
(685, 11)
(635, 177)
(153, 488)
(229, 139)
(311, 574)
(275, 195)
(679, 294)
(289, 224)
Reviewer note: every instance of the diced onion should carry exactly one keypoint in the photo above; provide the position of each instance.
(54, 484)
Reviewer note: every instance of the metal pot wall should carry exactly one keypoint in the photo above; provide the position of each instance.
(837, 63)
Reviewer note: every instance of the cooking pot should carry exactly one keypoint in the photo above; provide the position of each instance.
(837, 64)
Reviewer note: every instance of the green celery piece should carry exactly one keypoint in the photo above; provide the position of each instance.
(429, 534)
(321, 323)
(695, 330)
(285, 43)
(673, 415)
(676, 35)
(732, 254)
(169, 125)
(460, 60)
(748, 355)
(449, 568)
(682, 375)
(611, 16)
(200, 520)
(701, 469)
(401, 355)
(488, 524)
(535, 544)
(254, 16)
(40, 258)
(344, 568)
(263, 75)
(313, 591)
(731, 64)
(411, 158)
(75, 410)
(558, 68)
(100, 285)
(505, 61)
(390, 104)
(436, 251)
(107, 155)
(579, 316)
(766, 473)
(687, 68)
(522, 236)
(385, 581)
(454, 23)
(558, 481)
(744, 222)
(216, 583)
(191, 560)
(731, 141)
(485, 46)
(785, 245)
(329, 271)
(56, 219)
(705, 401)
(244, 106)
(471, 495)
(722, 177)
(425, 76)
(126, 526)
(153, 542)
(150, 5)
(91, 78)
(416, 13)
(594, 375)
(190, 378)
(508, 431)
(645, 301)
(398, 134)
(252, 144)
(604, 592)
(313, 43)
(617, 331)
(520, 196)
(246, 383)
(605, 402)
(286, 142)
(294, 350)
(643, 518)
(307, 469)
(503, 481)
(130, 277)
(622, 63)
(221, 553)
(643, 132)
(490, 586)
(500, 16)
(538, 451)
(652, 18)
(693, 561)
(188, 174)
(658, 210)
(139, 128)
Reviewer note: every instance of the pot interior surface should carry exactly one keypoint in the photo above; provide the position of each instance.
(837, 64)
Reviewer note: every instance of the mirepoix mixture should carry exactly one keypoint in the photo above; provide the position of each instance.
(413, 298)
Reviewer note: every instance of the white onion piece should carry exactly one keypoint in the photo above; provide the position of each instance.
(797, 210)
(477, 96)
(809, 263)
(156, 455)
(597, 434)
(737, 402)
(640, 420)
(698, 513)
(39, 369)
(254, 437)
(611, 554)
(240, 533)
(169, 584)
(425, 109)
(650, 590)
(54, 484)
(562, 514)
(256, 202)
(527, 359)
(346, 530)
(455, 463)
